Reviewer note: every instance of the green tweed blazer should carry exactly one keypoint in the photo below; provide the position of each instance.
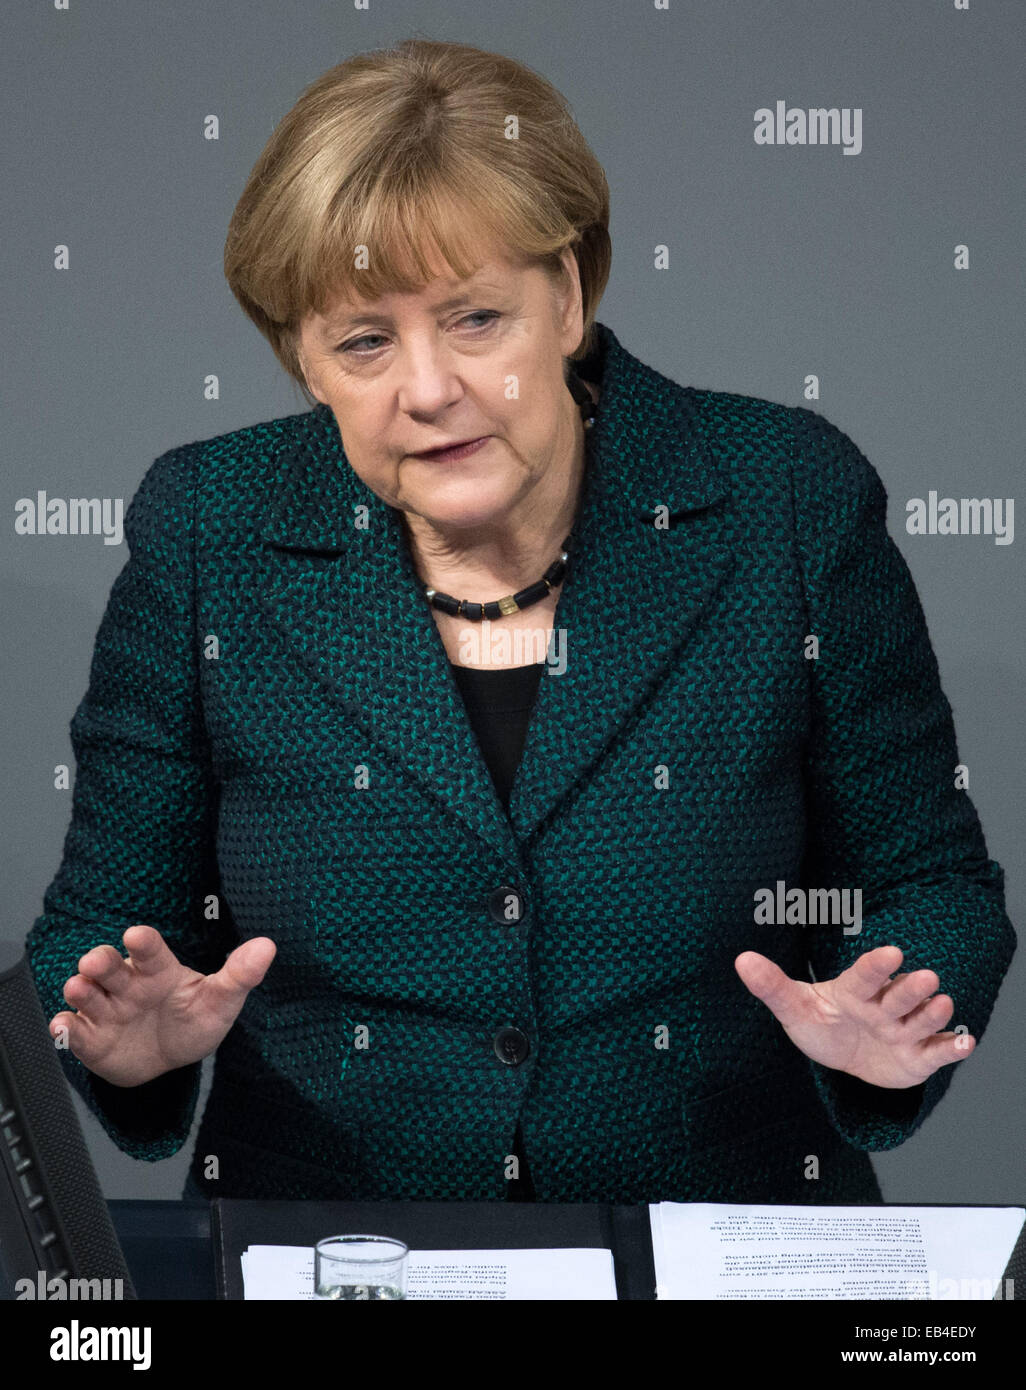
(272, 744)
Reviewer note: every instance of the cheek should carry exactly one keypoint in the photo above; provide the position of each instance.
(533, 418)
(361, 428)
(365, 442)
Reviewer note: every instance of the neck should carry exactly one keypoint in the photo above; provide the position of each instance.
(481, 562)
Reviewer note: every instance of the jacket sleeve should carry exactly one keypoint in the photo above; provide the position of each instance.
(139, 847)
(884, 813)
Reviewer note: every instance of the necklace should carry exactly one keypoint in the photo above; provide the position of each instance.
(514, 603)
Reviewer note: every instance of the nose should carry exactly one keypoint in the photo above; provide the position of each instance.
(428, 384)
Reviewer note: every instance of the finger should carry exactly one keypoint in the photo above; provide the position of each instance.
(105, 966)
(867, 976)
(67, 1023)
(79, 1036)
(907, 992)
(244, 969)
(149, 952)
(929, 1018)
(784, 997)
(942, 1049)
(89, 999)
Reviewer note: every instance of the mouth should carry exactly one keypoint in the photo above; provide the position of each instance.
(458, 450)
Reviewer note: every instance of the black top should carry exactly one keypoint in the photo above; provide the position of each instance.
(499, 704)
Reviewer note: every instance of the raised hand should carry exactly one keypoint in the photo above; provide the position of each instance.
(140, 1016)
(862, 1022)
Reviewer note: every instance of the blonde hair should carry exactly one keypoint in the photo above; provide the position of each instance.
(405, 151)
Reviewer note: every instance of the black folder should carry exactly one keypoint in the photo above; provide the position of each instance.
(236, 1223)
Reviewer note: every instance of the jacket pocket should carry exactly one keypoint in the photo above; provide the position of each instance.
(265, 1127)
(747, 1110)
(257, 1170)
(763, 1140)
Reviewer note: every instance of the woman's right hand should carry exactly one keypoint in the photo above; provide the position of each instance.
(141, 1016)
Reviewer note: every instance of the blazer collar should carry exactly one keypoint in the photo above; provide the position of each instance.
(341, 584)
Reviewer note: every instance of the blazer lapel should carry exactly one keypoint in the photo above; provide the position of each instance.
(348, 602)
(633, 591)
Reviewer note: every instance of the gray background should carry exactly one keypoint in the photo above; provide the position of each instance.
(783, 261)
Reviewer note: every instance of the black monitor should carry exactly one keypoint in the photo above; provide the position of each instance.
(55, 1229)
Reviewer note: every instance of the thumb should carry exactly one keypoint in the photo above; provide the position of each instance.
(762, 977)
(244, 968)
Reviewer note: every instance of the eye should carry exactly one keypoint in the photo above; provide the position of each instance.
(489, 316)
(350, 346)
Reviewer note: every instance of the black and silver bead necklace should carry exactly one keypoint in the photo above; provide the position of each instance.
(513, 603)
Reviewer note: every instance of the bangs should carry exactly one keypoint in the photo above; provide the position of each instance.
(400, 234)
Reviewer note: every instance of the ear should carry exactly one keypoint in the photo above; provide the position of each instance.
(312, 387)
(309, 377)
(570, 303)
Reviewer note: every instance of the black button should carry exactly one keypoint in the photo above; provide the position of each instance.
(505, 905)
(511, 1046)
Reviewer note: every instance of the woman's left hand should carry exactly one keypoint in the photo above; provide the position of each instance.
(881, 1030)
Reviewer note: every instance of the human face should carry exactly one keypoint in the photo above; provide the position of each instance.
(411, 372)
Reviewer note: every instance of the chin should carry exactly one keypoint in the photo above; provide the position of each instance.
(464, 507)
(456, 521)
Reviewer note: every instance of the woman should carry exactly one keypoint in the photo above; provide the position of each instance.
(524, 790)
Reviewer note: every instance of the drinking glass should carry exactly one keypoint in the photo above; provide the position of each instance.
(359, 1268)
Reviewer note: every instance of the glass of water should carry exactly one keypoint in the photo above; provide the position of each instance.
(360, 1268)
